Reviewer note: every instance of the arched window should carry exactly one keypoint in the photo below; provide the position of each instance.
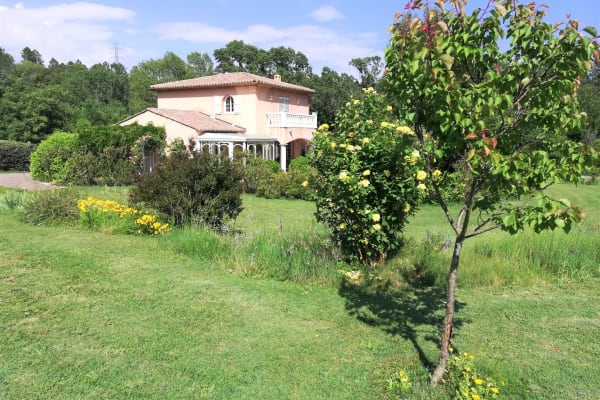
(229, 104)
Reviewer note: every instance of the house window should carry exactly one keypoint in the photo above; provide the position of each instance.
(229, 104)
(284, 104)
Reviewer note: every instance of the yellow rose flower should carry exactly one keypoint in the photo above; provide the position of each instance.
(356, 102)
(366, 172)
(305, 184)
(404, 130)
(375, 217)
(421, 175)
(421, 187)
(377, 227)
(344, 176)
(364, 183)
(342, 226)
(406, 208)
(366, 140)
(436, 174)
(388, 108)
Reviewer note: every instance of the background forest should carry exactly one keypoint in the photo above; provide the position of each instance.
(39, 97)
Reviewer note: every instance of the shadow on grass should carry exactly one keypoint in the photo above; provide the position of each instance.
(408, 312)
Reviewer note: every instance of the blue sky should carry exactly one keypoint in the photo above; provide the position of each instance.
(329, 32)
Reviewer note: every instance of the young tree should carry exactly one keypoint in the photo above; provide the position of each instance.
(492, 93)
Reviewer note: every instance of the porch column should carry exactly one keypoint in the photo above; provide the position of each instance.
(283, 156)
(230, 150)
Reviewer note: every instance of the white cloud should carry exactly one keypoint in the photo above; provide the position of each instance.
(66, 32)
(326, 13)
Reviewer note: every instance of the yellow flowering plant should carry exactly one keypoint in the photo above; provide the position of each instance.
(370, 161)
(108, 215)
(399, 382)
(463, 382)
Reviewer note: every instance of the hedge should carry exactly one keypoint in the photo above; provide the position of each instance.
(15, 155)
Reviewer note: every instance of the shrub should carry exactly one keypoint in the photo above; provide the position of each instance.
(50, 206)
(370, 177)
(109, 166)
(274, 186)
(97, 138)
(266, 179)
(111, 155)
(15, 155)
(177, 146)
(49, 159)
(300, 173)
(258, 172)
(198, 189)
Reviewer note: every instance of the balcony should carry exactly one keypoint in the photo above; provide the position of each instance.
(287, 120)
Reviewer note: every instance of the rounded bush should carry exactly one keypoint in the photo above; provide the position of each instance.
(49, 159)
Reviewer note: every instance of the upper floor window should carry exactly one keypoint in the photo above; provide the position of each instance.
(230, 104)
(284, 104)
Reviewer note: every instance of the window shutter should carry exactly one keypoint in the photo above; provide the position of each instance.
(237, 100)
(218, 105)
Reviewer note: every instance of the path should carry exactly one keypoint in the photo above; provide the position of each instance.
(23, 180)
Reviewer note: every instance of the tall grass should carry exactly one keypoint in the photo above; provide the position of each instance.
(274, 238)
(299, 257)
(281, 239)
(498, 258)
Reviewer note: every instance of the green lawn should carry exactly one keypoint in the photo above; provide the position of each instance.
(93, 316)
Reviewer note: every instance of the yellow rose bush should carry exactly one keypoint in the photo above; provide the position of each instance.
(368, 168)
(108, 215)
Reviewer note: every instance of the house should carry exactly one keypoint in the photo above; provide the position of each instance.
(235, 112)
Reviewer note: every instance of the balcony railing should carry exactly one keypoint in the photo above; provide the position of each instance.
(287, 120)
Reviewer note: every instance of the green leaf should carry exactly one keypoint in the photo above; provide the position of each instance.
(448, 60)
(565, 202)
(591, 30)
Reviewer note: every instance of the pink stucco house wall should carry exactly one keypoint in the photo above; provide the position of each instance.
(231, 112)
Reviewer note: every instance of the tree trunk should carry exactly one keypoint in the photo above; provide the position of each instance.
(447, 334)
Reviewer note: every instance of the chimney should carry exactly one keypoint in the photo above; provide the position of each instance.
(277, 78)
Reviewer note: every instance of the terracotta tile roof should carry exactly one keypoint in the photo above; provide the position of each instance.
(229, 79)
(197, 120)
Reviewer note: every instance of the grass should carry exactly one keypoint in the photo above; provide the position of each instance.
(90, 315)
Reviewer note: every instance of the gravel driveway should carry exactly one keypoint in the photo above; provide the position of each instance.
(23, 180)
